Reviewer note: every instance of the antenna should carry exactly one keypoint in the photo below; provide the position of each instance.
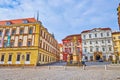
(37, 15)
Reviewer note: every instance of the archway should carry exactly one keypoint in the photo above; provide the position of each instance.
(97, 57)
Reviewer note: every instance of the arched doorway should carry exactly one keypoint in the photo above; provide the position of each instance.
(97, 57)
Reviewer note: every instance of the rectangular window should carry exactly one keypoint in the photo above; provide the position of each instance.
(10, 58)
(90, 42)
(29, 43)
(97, 49)
(95, 35)
(84, 43)
(12, 44)
(102, 41)
(101, 34)
(85, 49)
(27, 57)
(21, 30)
(84, 36)
(110, 49)
(30, 30)
(2, 57)
(108, 34)
(0, 32)
(20, 43)
(91, 49)
(7, 32)
(5, 44)
(96, 42)
(18, 57)
(90, 36)
(103, 49)
(108, 41)
(13, 32)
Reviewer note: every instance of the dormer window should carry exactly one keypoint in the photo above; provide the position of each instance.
(8, 23)
(25, 21)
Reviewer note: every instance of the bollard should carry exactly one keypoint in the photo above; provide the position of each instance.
(49, 67)
(64, 67)
(105, 67)
(83, 67)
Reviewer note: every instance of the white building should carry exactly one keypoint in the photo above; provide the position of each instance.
(97, 44)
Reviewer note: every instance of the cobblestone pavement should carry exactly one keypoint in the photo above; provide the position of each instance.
(61, 73)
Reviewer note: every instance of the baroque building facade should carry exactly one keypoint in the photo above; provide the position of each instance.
(116, 42)
(26, 42)
(97, 44)
(70, 49)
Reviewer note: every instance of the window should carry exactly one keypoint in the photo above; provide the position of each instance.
(95, 35)
(5, 44)
(25, 21)
(30, 30)
(10, 57)
(101, 34)
(85, 50)
(8, 23)
(7, 32)
(110, 49)
(90, 36)
(20, 43)
(102, 41)
(97, 48)
(18, 57)
(84, 43)
(103, 49)
(0, 32)
(2, 57)
(108, 34)
(27, 57)
(21, 31)
(108, 41)
(12, 44)
(96, 42)
(29, 43)
(84, 36)
(91, 49)
(13, 31)
(90, 42)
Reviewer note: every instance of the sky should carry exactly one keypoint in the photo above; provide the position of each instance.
(64, 17)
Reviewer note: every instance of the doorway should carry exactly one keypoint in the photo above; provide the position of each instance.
(97, 57)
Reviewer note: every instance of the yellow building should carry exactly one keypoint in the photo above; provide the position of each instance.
(26, 42)
(116, 42)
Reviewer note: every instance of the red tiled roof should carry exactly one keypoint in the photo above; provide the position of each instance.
(94, 29)
(18, 21)
(60, 45)
(70, 37)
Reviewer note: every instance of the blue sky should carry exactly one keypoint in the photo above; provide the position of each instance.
(64, 17)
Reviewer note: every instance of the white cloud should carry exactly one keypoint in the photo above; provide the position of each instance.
(63, 17)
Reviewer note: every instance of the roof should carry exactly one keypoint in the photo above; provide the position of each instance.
(61, 45)
(115, 32)
(70, 37)
(95, 29)
(18, 21)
